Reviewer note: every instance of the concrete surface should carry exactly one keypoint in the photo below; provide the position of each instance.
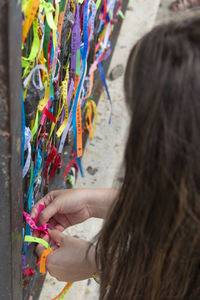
(104, 153)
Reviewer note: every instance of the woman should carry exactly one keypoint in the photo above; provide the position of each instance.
(149, 246)
(180, 5)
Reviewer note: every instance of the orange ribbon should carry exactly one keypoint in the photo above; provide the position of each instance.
(43, 260)
(67, 287)
(79, 130)
(29, 14)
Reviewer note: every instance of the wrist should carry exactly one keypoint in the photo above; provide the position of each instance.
(91, 254)
(99, 201)
(95, 274)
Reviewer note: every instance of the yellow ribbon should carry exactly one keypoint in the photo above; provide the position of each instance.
(57, 118)
(64, 89)
(90, 108)
(45, 100)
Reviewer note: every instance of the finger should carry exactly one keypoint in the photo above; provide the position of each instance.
(35, 233)
(59, 227)
(40, 248)
(63, 220)
(48, 212)
(56, 236)
(56, 193)
(46, 200)
(54, 247)
(34, 210)
(56, 225)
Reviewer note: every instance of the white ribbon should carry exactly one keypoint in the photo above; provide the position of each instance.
(92, 17)
(65, 132)
(27, 145)
(40, 85)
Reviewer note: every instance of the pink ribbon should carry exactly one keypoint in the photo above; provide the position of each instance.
(32, 222)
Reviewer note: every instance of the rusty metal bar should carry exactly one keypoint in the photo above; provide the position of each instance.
(14, 45)
(5, 249)
(10, 148)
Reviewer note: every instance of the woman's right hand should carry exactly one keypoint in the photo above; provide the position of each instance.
(73, 259)
(64, 208)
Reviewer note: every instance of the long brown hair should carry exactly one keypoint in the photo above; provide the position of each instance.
(149, 247)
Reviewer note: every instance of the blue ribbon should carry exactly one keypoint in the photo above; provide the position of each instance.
(24, 246)
(23, 130)
(85, 30)
(84, 61)
(35, 174)
(101, 71)
(74, 117)
(51, 85)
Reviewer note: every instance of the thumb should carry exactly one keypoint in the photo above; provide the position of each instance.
(48, 213)
(39, 250)
(57, 236)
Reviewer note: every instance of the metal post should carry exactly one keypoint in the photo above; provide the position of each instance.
(10, 150)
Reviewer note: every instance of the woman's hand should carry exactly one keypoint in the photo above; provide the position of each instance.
(70, 261)
(64, 208)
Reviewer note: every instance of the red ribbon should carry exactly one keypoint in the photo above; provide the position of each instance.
(50, 158)
(57, 164)
(29, 272)
(49, 115)
(70, 165)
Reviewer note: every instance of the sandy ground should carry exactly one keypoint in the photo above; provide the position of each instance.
(103, 155)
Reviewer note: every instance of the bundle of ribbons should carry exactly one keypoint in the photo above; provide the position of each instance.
(64, 42)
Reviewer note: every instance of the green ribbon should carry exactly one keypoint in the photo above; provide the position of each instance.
(28, 61)
(32, 239)
(36, 125)
(49, 9)
(47, 33)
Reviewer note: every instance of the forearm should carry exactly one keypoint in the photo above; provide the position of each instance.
(99, 201)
